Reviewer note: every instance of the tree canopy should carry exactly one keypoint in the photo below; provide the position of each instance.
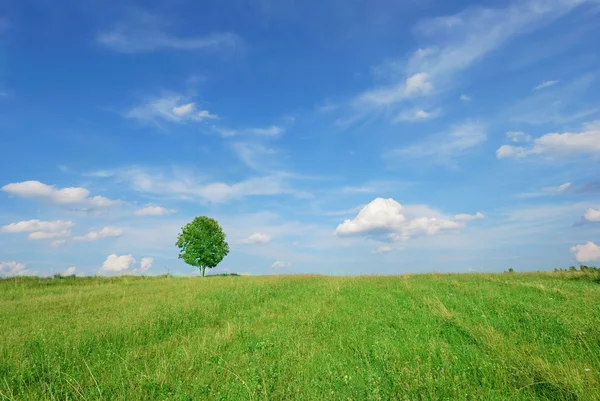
(202, 243)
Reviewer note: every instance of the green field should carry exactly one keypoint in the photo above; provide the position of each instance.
(413, 337)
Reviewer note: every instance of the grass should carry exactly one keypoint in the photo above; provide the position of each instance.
(413, 337)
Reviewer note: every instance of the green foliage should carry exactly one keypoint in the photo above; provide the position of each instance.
(423, 337)
(582, 269)
(202, 243)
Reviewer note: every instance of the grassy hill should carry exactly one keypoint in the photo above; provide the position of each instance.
(413, 337)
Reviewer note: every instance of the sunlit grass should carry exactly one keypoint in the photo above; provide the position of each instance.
(453, 337)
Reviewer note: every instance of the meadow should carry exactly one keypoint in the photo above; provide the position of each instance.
(412, 337)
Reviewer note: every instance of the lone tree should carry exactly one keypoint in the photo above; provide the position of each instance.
(202, 243)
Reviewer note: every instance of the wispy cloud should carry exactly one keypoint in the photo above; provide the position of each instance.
(255, 155)
(171, 108)
(269, 131)
(451, 44)
(545, 84)
(558, 104)
(187, 185)
(442, 148)
(144, 33)
(416, 115)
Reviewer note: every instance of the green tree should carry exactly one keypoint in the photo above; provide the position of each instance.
(202, 243)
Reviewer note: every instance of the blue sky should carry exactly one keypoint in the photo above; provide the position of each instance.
(334, 137)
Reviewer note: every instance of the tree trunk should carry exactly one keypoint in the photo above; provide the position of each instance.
(203, 268)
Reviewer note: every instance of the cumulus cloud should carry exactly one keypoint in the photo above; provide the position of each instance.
(40, 230)
(592, 215)
(469, 217)
(384, 219)
(280, 264)
(150, 210)
(65, 196)
(125, 264)
(465, 98)
(11, 269)
(557, 145)
(171, 108)
(257, 238)
(382, 249)
(545, 84)
(103, 233)
(586, 253)
(118, 264)
(145, 264)
(70, 271)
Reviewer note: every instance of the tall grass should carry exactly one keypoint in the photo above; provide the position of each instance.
(419, 337)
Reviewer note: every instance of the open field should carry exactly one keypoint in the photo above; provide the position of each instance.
(420, 337)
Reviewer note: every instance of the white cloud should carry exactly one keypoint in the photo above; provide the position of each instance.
(257, 238)
(70, 271)
(40, 230)
(151, 210)
(184, 109)
(418, 84)
(457, 42)
(114, 263)
(103, 233)
(38, 226)
(567, 186)
(545, 84)
(592, 215)
(586, 253)
(254, 155)
(465, 98)
(124, 264)
(11, 269)
(189, 186)
(280, 264)
(65, 196)
(518, 136)
(384, 219)
(442, 148)
(469, 217)
(416, 115)
(270, 131)
(383, 249)
(41, 235)
(557, 145)
(273, 130)
(58, 243)
(145, 264)
(169, 108)
(144, 33)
